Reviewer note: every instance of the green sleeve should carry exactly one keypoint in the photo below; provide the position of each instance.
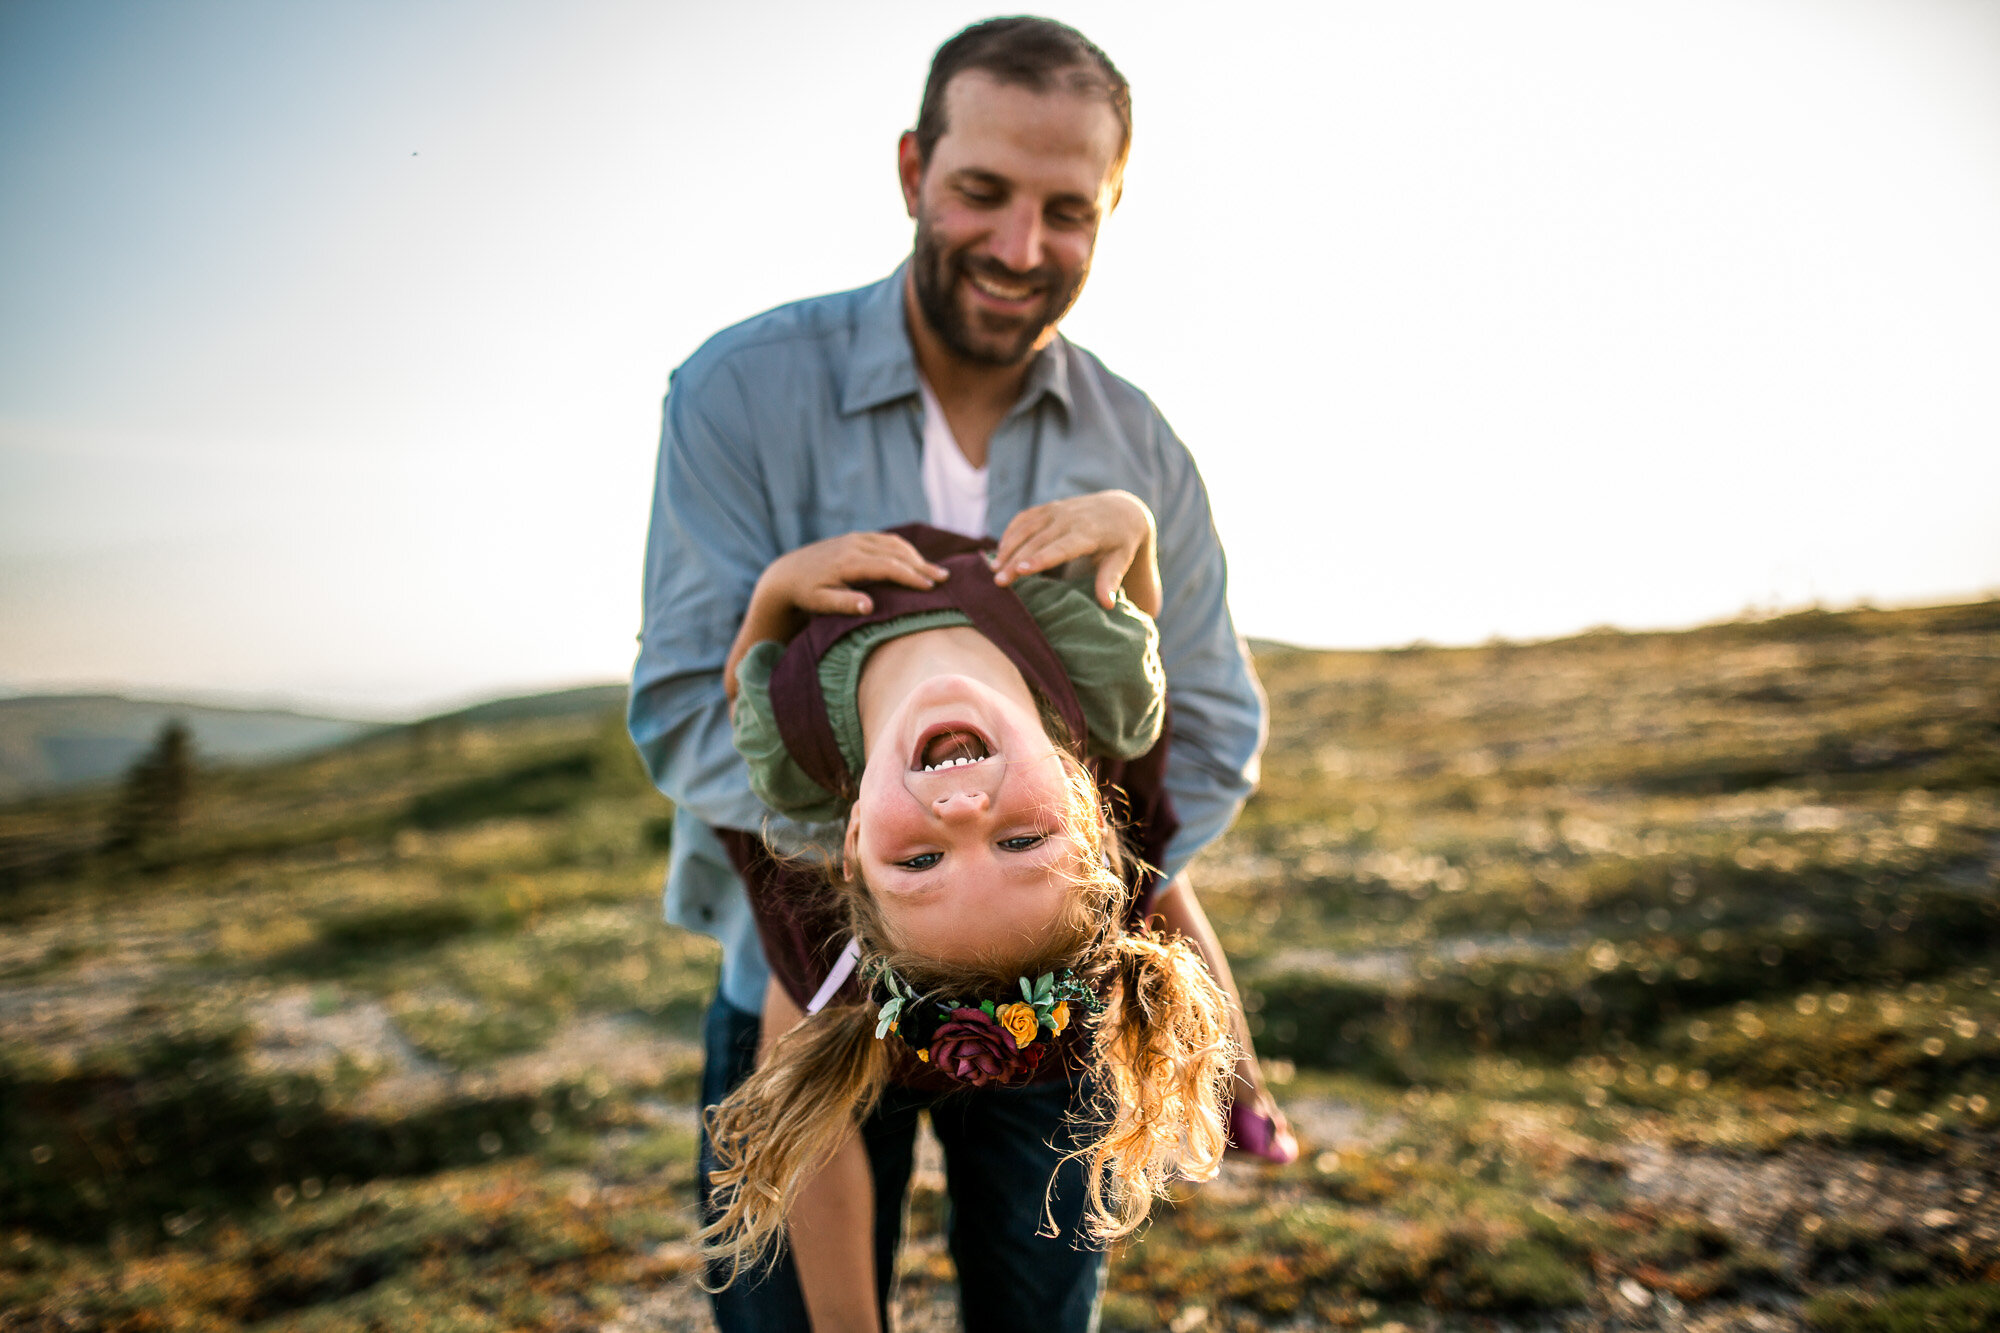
(1112, 657)
(775, 778)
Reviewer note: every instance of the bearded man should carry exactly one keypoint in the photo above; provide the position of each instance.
(942, 394)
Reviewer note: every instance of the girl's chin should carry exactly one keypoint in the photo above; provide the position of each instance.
(993, 717)
(941, 691)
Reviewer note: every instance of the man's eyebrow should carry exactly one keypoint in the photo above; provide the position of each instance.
(980, 176)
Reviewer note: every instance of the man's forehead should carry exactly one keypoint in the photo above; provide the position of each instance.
(980, 107)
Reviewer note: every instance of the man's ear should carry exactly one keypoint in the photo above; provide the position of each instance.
(910, 170)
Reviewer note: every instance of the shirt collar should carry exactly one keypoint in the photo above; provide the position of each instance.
(882, 368)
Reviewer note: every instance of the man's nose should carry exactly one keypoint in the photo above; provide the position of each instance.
(960, 805)
(1017, 240)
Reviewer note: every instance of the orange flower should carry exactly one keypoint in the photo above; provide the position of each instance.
(1059, 1017)
(1020, 1021)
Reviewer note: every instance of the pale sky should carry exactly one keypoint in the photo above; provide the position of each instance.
(333, 334)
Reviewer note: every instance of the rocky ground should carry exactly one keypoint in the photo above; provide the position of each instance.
(1628, 982)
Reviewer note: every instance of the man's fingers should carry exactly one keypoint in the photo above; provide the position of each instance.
(1025, 559)
(1027, 525)
(911, 570)
(860, 556)
(1052, 550)
(907, 563)
(1111, 567)
(1047, 551)
(834, 600)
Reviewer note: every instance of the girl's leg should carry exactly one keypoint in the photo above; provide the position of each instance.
(1002, 1147)
(767, 1300)
(770, 1301)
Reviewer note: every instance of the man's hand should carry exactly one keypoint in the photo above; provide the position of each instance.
(818, 580)
(1112, 530)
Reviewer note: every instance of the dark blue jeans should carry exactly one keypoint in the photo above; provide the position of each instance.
(1001, 1146)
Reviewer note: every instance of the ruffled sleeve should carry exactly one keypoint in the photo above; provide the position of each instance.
(775, 777)
(1113, 659)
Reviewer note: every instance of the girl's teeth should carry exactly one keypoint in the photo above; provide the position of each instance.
(950, 763)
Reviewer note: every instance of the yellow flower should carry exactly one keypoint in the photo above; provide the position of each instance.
(1059, 1017)
(1020, 1021)
(925, 1055)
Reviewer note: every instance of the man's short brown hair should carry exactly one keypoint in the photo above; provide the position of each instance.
(1034, 53)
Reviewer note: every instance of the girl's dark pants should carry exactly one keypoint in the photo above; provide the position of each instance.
(1001, 1147)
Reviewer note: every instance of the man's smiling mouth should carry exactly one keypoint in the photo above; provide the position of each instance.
(1001, 290)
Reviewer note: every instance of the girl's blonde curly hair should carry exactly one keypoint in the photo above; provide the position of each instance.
(1157, 1059)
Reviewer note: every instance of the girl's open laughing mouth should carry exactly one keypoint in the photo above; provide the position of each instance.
(949, 745)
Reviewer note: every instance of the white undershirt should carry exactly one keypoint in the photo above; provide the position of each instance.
(954, 489)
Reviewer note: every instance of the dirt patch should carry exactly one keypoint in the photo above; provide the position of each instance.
(1792, 1197)
(612, 1048)
(65, 1021)
(678, 1307)
(1327, 1123)
(298, 1032)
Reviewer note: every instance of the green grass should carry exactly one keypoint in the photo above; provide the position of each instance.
(1974, 1308)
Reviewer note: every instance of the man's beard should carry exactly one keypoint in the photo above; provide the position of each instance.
(937, 274)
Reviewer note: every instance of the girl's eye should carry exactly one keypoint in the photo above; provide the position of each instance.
(1024, 842)
(923, 862)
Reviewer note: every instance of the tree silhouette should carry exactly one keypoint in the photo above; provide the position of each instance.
(157, 791)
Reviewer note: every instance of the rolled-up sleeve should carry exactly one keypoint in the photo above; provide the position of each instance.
(1219, 711)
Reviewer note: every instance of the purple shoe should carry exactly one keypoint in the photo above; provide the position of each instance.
(1254, 1134)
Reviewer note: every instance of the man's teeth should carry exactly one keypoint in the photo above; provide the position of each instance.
(1001, 291)
(950, 763)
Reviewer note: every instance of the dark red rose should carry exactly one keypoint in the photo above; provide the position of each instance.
(972, 1047)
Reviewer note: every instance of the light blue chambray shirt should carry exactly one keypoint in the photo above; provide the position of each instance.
(805, 423)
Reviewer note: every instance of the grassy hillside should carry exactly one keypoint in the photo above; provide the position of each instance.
(1636, 981)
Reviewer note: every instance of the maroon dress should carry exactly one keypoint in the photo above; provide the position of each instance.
(799, 918)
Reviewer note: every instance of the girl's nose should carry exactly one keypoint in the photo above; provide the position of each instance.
(960, 805)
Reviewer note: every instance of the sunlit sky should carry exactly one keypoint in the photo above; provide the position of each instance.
(333, 334)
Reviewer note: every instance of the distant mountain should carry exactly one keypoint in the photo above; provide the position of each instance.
(53, 741)
(48, 742)
(556, 703)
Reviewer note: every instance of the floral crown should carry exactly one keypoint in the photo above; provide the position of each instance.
(981, 1041)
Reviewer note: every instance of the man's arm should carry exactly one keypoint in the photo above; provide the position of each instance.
(1182, 913)
(1218, 707)
(713, 530)
(712, 534)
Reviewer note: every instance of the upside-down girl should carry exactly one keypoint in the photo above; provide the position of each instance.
(978, 932)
